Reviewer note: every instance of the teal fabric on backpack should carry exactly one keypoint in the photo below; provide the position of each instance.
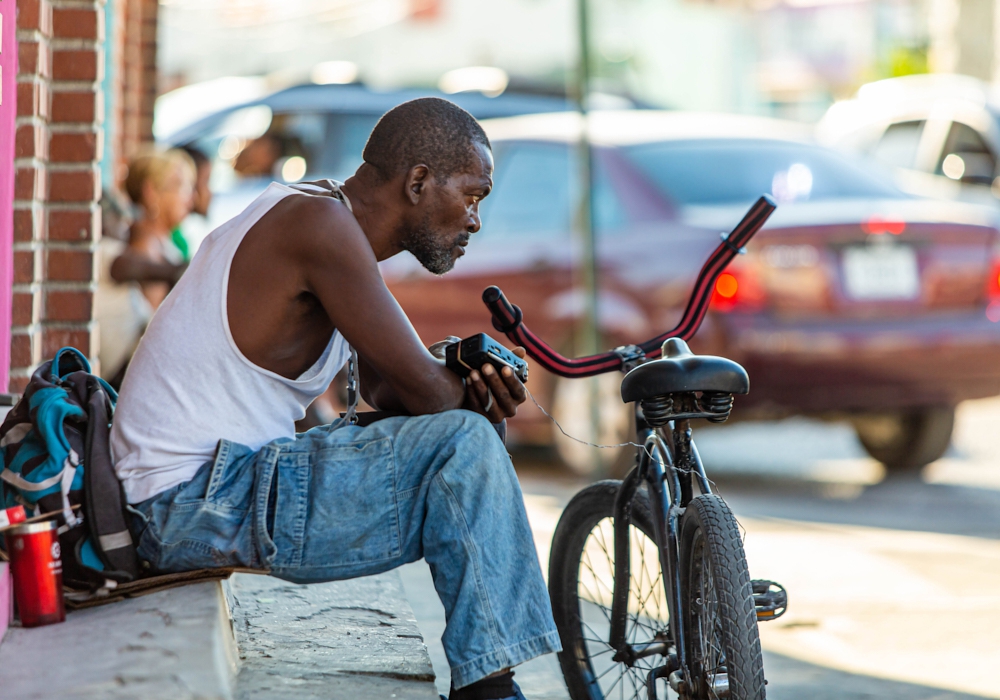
(55, 458)
(45, 463)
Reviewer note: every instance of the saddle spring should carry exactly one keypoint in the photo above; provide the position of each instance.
(718, 404)
(658, 410)
(713, 405)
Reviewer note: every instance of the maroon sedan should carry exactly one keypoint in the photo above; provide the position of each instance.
(855, 301)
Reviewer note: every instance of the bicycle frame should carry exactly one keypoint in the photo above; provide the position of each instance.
(667, 462)
(668, 459)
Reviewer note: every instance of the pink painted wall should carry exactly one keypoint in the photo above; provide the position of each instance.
(8, 114)
(6, 596)
(6, 599)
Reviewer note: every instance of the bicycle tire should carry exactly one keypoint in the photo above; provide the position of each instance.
(710, 541)
(588, 512)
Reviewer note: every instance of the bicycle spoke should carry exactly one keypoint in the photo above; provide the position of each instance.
(597, 636)
(612, 686)
(608, 670)
(646, 621)
(595, 602)
(631, 680)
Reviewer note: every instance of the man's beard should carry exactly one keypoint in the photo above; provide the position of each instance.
(436, 257)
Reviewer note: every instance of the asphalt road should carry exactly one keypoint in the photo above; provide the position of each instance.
(894, 583)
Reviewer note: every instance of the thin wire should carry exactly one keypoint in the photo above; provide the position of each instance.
(576, 439)
(622, 444)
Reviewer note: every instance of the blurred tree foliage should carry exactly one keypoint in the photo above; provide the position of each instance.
(905, 60)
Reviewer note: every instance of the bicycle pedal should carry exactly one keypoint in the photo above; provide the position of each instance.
(770, 599)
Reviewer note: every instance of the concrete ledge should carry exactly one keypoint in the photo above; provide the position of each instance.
(175, 644)
(252, 638)
(345, 639)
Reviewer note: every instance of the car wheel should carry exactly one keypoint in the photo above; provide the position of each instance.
(907, 440)
(571, 408)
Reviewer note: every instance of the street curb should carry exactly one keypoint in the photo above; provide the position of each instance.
(171, 645)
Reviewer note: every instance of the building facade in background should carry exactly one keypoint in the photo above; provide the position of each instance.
(72, 126)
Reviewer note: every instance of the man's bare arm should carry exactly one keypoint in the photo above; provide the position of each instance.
(340, 269)
(375, 391)
(131, 266)
(504, 387)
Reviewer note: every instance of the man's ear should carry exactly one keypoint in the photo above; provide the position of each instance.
(416, 182)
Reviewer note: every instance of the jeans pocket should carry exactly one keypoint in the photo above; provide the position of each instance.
(337, 508)
(205, 522)
(194, 491)
(227, 482)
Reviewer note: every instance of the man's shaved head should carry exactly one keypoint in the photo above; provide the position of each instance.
(429, 130)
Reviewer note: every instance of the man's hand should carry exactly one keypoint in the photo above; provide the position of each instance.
(495, 394)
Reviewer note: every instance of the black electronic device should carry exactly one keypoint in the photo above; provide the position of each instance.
(475, 351)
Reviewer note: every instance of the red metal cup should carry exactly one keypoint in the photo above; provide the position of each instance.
(36, 569)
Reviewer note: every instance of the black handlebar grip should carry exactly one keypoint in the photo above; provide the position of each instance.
(506, 316)
(495, 299)
(752, 221)
(491, 294)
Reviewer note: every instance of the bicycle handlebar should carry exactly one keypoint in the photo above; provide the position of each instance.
(508, 318)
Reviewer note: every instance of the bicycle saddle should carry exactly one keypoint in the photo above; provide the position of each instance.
(680, 370)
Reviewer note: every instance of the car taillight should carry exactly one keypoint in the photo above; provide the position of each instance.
(737, 289)
(993, 292)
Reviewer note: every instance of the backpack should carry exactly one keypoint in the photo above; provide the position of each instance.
(55, 454)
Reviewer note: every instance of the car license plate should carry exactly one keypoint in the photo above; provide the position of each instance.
(881, 272)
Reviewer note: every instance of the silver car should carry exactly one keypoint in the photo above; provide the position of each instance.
(938, 134)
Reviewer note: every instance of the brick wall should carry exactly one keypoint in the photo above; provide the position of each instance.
(57, 183)
(138, 75)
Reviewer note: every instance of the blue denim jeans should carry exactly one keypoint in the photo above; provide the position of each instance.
(347, 501)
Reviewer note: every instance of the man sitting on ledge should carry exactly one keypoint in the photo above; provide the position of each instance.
(204, 439)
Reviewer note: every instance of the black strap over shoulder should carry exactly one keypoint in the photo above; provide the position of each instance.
(104, 503)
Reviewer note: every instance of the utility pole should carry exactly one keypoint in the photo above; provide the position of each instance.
(589, 336)
(589, 332)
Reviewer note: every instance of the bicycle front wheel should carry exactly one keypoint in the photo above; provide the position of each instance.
(723, 645)
(581, 585)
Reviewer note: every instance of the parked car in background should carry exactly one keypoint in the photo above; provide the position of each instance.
(939, 134)
(856, 301)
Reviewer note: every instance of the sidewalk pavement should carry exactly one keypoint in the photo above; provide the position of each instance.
(249, 638)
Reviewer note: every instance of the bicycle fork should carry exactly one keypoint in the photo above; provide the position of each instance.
(666, 499)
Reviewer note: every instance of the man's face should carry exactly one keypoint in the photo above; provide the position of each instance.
(450, 214)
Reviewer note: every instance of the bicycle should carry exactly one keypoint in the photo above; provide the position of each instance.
(647, 577)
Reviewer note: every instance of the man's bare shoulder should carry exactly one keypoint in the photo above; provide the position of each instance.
(310, 224)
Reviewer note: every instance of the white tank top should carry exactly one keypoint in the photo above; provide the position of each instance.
(189, 386)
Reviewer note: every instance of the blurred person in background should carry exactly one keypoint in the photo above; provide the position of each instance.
(193, 230)
(162, 185)
(259, 157)
(139, 262)
(121, 310)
